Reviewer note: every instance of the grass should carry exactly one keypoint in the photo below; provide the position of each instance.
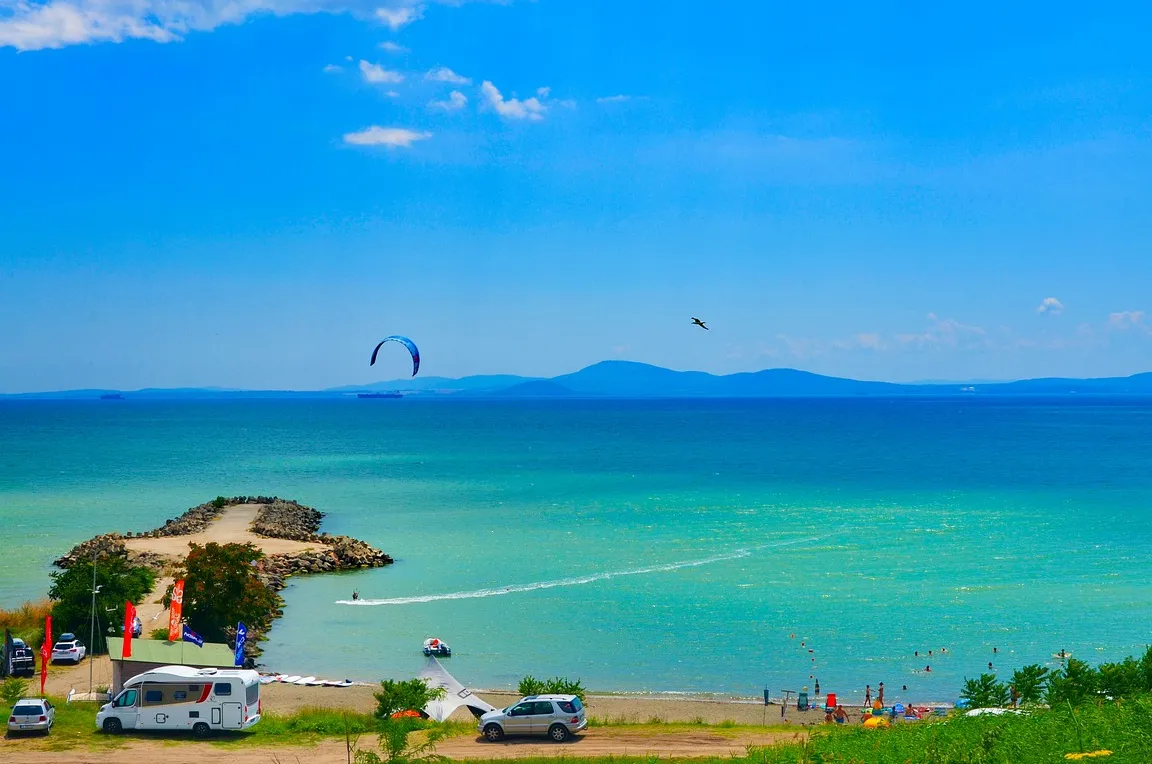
(1045, 736)
(76, 727)
(26, 622)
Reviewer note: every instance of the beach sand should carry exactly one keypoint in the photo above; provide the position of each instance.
(233, 526)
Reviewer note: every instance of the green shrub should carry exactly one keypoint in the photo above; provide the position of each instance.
(1030, 682)
(1074, 684)
(405, 695)
(985, 692)
(530, 685)
(13, 689)
(220, 502)
(160, 634)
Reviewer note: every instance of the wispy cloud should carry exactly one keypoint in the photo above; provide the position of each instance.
(512, 108)
(392, 47)
(333, 69)
(455, 102)
(1051, 306)
(1127, 319)
(378, 75)
(40, 24)
(391, 137)
(401, 16)
(444, 74)
(614, 99)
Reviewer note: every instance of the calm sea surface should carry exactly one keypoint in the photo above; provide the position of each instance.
(642, 546)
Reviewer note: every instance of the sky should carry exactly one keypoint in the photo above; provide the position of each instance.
(252, 193)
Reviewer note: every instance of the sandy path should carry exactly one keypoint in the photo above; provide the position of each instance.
(232, 526)
(607, 742)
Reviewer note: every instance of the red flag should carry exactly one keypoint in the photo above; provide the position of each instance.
(129, 618)
(175, 611)
(45, 653)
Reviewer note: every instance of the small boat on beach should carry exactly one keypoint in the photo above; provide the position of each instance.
(437, 647)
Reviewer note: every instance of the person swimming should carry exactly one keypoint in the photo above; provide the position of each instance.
(355, 594)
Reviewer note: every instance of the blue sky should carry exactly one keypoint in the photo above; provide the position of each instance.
(252, 193)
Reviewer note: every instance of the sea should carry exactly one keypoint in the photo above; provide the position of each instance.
(705, 546)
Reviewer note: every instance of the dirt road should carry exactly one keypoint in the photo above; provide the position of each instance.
(604, 742)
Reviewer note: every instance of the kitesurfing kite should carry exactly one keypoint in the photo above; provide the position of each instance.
(700, 323)
(406, 343)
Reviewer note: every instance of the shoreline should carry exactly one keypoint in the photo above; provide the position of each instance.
(285, 531)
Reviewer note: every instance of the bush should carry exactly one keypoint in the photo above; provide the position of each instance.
(405, 695)
(221, 588)
(159, 634)
(119, 583)
(13, 689)
(1030, 682)
(530, 685)
(220, 502)
(1074, 684)
(985, 692)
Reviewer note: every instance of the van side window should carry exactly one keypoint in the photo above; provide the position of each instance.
(179, 695)
(222, 688)
(153, 696)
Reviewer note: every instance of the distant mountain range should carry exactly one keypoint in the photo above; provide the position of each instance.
(626, 379)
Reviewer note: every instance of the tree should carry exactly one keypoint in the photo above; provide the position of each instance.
(1029, 682)
(118, 583)
(13, 689)
(221, 588)
(985, 692)
(1121, 680)
(405, 695)
(1073, 684)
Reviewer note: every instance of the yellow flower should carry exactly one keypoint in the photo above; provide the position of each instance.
(1093, 755)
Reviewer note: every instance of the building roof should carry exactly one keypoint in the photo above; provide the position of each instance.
(174, 653)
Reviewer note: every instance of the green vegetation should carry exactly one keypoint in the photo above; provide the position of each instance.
(159, 634)
(1029, 682)
(404, 695)
(530, 685)
(1124, 728)
(27, 621)
(71, 593)
(220, 502)
(985, 692)
(221, 589)
(13, 689)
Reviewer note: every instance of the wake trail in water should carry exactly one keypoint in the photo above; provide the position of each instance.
(577, 581)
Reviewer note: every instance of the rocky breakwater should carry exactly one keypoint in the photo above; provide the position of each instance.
(296, 522)
(110, 545)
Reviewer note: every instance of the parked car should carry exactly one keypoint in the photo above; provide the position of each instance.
(556, 716)
(22, 660)
(32, 715)
(137, 627)
(68, 648)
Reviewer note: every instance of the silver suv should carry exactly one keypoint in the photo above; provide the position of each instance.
(556, 716)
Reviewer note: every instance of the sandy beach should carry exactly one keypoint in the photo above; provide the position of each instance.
(233, 526)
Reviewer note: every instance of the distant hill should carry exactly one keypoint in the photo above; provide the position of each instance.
(627, 379)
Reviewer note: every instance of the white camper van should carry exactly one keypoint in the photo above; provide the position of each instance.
(184, 698)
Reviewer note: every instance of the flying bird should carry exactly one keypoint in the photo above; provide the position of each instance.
(700, 323)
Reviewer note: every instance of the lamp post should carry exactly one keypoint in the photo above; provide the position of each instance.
(92, 624)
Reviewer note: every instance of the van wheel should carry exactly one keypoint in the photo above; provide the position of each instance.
(113, 726)
(201, 730)
(493, 733)
(558, 733)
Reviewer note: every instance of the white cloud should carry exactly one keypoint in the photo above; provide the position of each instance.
(392, 47)
(869, 341)
(444, 74)
(455, 101)
(378, 75)
(512, 108)
(40, 24)
(402, 16)
(391, 94)
(392, 137)
(614, 99)
(333, 69)
(1126, 319)
(543, 92)
(1050, 305)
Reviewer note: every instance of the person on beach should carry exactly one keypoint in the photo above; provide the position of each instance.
(880, 694)
(1013, 694)
(817, 688)
(867, 694)
(841, 716)
(828, 716)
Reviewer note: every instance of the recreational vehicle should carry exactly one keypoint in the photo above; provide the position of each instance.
(202, 700)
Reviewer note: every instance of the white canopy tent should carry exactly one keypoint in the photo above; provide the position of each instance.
(455, 694)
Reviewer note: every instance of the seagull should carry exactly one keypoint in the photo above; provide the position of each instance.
(700, 323)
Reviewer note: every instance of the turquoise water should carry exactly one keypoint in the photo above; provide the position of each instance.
(642, 546)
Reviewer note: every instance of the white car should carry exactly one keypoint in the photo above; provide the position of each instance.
(31, 715)
(68, 648)
(556, 716)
